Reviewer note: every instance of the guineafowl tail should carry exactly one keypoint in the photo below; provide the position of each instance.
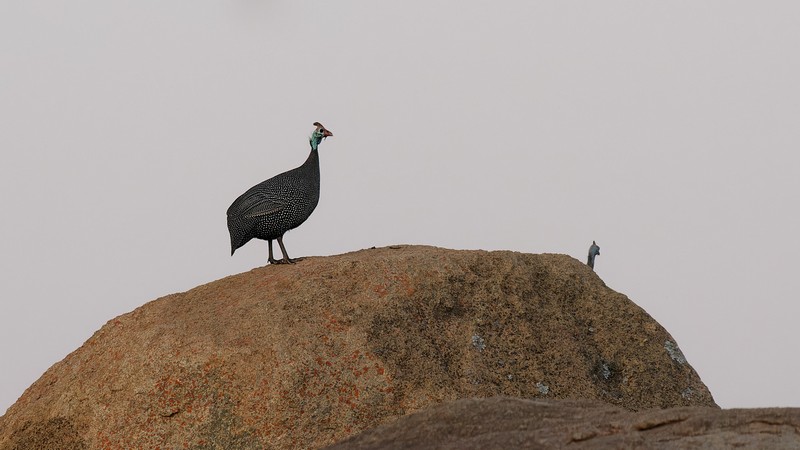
(240, 234)
(237, 242)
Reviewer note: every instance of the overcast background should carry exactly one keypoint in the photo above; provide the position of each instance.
(665, 131)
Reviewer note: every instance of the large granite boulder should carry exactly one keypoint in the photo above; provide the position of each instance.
(301, 356)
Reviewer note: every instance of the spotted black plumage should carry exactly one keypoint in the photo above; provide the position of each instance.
(271, 208)
(594, 250)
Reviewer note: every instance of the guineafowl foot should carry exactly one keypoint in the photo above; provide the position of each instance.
(285, 261)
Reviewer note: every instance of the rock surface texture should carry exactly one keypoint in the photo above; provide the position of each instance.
(302, 356)
(513, 423)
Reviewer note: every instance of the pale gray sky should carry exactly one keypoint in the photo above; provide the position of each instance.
(665, 131)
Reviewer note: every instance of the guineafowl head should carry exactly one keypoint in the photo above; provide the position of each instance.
(319, 134)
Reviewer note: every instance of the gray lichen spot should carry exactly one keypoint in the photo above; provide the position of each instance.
(543, 388)
(674, 352)
(478, 342)
(687, 393)
(605, 371)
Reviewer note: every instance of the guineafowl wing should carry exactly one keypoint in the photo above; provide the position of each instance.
(264, 208)
(255, 203)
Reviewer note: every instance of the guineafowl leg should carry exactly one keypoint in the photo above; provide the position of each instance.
(286, 259)
(271, 259)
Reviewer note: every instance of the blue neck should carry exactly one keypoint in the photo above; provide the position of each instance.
(315, 139)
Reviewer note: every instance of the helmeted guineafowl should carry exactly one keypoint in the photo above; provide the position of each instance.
(594, 250)
(271, 208)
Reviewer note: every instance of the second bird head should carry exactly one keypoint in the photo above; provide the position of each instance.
(319, 134)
